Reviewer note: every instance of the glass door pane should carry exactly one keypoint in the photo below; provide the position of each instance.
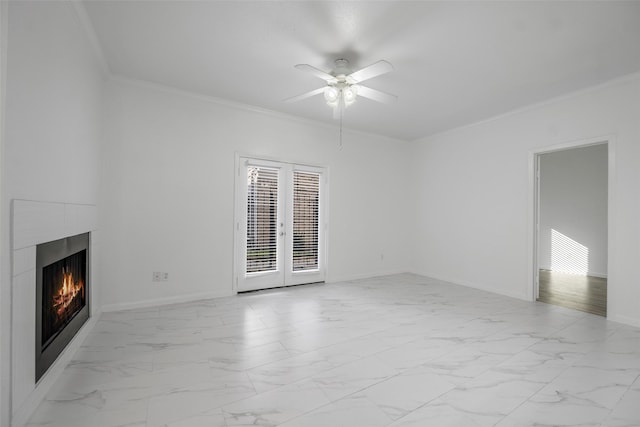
(262, 219)
(306, 205)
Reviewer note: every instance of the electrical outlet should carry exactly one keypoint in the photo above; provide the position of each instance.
(165, 277)
(157, 276)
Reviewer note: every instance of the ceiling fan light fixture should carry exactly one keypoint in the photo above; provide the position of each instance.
(331, 95)
(349, 94)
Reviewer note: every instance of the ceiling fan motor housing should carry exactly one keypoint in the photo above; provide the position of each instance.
(342, 68)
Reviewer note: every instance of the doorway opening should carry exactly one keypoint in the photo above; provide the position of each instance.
(571, 249)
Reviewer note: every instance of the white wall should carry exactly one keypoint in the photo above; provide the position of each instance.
(473, 204)
(573, 210)
(5, 309)
(54, 102)
(53, 128)
(168, 194)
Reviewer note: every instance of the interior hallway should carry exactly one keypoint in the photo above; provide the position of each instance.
(584, 293)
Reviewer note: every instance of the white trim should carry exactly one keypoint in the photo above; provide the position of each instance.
(612, 243)
(319, 274)
(631, 321)
(90, 33)
(250, 108)
(535, 106)
(5, 250)
(362, 276)
(237, 213)
(274, 159)
(118, 78)
(454, 281)
(263, 279)
(159, 302)
(533, 215)
(579, 143)
(532, 206)
(286, 167)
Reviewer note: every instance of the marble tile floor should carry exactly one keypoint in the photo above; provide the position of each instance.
(395, 351)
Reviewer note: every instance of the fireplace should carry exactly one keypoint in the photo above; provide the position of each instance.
(62, 290)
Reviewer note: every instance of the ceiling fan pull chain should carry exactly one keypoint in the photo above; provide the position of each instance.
(340, 143)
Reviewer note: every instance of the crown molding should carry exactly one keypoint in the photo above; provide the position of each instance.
(129, 81)
(624, 79)
(90, 33)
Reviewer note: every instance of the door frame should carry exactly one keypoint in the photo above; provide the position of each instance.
(263, 278)
(240, 207)
(533, 219)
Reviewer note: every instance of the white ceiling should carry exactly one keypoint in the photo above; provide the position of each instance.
(455, 62)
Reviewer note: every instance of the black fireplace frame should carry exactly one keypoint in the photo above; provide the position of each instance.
(46, 254)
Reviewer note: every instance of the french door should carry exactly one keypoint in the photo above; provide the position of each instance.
(280, 224)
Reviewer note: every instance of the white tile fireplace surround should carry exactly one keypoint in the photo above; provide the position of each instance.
(32, 223)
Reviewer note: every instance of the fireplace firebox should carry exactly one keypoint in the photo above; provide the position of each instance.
(62, 296)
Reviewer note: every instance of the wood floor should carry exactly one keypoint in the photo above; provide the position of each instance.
(584, 293)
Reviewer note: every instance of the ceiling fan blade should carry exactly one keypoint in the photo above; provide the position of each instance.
(305, 95)
(373, 70)
(376, 95)
(316, 72)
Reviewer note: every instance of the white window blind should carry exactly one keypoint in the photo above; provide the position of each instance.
(262, 219)
(306, 193)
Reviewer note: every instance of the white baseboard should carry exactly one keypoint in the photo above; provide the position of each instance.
(351, 277)
(599, 275)
(157, 302)
(630, 321)
(517, 295)
(28, 407)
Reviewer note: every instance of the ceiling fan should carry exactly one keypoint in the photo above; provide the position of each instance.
(343, 85)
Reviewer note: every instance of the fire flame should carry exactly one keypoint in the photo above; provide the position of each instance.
(67, 293)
